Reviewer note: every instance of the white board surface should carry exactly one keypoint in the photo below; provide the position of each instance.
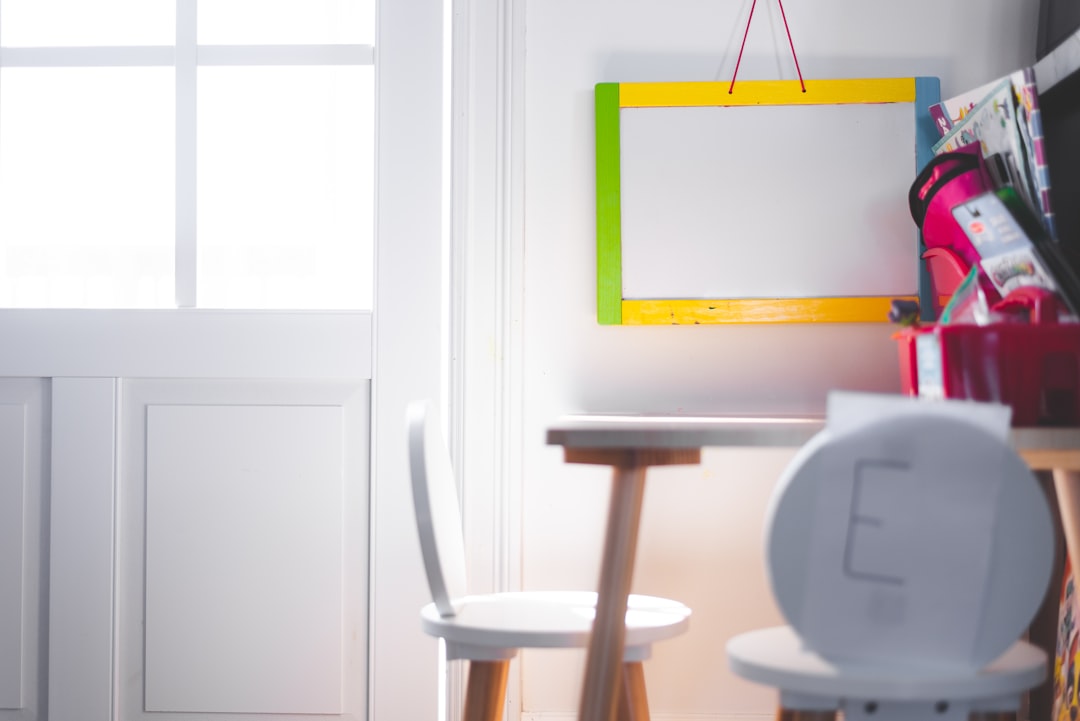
(791, 201)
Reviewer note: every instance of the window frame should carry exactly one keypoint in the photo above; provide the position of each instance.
(186, 55)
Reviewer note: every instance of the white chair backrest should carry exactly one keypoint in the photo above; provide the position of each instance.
(915, 539)
(435, 500)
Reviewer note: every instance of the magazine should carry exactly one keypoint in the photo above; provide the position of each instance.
(1065, 703)
(1004, 117)
(949, 112)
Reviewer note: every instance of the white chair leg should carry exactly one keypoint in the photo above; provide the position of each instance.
(485, 695)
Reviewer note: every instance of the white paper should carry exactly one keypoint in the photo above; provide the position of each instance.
(847, 410)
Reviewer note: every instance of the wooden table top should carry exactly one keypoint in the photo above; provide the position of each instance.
(1042, 448)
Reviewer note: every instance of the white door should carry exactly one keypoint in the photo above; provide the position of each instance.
(201, 511)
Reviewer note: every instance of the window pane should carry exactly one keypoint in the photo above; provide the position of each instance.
(286, 22)
(285, 196)
(86, 187)
(45, 23)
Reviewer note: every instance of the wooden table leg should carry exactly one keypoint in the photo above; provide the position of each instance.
(1067, 485)
(603, 666)
(604, 663)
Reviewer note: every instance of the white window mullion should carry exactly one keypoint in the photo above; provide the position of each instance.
(88, 57)
(186, 121)
(250, 55)
(325, 133)
(165, 55)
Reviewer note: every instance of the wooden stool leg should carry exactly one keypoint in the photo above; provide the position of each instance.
(633, 701)
(783, 714)
(486, 692)
(992, 716)
(806, 715)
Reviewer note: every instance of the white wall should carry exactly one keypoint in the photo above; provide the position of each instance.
(700, 538)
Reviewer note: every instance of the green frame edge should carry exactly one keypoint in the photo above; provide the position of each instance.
(608, 204)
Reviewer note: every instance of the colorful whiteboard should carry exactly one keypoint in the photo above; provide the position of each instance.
(763, 205)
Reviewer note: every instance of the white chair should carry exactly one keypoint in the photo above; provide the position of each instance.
(908, 555)
(487, 630)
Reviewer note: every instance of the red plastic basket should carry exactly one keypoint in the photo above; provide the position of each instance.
(1032, 367)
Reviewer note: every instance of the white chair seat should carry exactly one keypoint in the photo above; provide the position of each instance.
(492, 626)
(777, 657)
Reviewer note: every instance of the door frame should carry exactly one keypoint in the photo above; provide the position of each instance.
(409, 361)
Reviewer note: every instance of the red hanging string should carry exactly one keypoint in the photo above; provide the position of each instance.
(743, 46)
(791, 43)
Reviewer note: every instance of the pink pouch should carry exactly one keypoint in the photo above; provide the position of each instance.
(948, 180)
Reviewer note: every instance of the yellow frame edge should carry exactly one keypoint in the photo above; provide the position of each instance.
(867, 309)
(767, 92)
(871, 309)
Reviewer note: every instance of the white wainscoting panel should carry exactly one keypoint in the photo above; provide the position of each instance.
(248, 568)
(243, 559)
(81, 550)
(23, 485)
(12, 550)
(186, 343)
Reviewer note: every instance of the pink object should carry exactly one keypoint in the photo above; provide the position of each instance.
(948, 180)
(947, 272)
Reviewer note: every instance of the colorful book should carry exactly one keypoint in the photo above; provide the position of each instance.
(1066, 706)
(948, 113)
(1004, 117)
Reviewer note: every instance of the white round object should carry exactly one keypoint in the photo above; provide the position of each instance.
(917, 539)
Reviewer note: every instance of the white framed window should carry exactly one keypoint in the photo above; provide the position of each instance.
(187, 153)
